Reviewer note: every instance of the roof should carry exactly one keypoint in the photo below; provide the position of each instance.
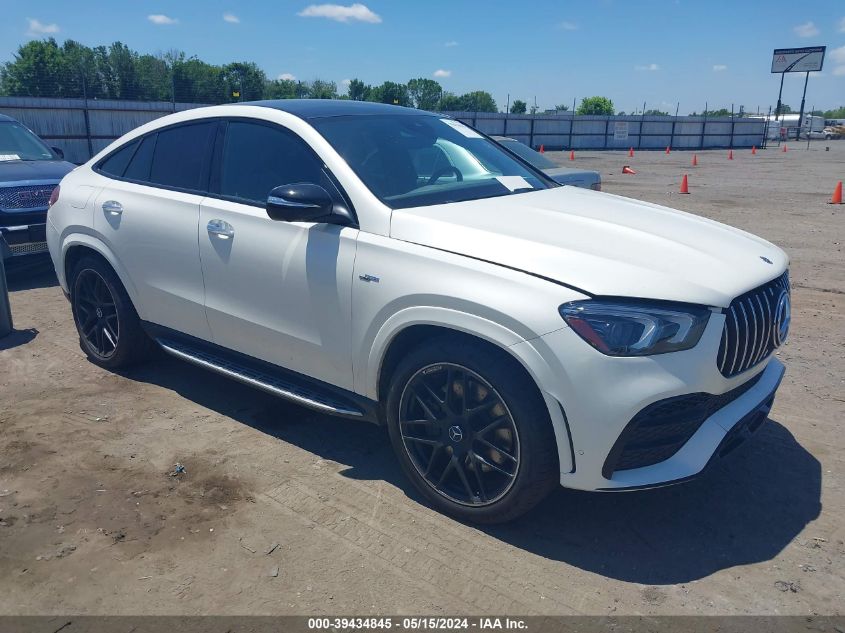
(3, 117)
(322, 108)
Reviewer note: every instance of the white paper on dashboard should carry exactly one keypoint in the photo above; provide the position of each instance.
(514, 182)
(463, 129)
(9, 157)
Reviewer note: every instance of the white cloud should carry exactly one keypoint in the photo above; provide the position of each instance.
(838, 57)
(161, 19)
(286, 77)
(37, 28)
(442, 73)
(649, 67)
(231, 18)
(346, 82)
(808, 29)
(340, 13)
(568, 26)
(717, 68)
(450, 44)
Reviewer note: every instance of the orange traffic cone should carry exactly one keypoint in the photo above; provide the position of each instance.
(753, 150)
(667, 149)
(837, 194)
(631, 153)
(784, 148)
(694, 160)
(572, 154)
(542, 149)
(685, 185)
(730, 154)
(627, 170)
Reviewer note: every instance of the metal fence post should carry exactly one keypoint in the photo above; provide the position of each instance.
(5, 308)
(86, 115)
(531, 134)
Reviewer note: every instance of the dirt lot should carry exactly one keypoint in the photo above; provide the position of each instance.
(93, 523)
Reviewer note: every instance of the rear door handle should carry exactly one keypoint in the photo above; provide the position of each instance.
(221, 229)
(112, 207)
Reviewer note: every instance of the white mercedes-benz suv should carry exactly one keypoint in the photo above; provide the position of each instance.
(396, 266)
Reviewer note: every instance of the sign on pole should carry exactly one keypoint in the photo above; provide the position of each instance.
(620, 131)
(798, 60)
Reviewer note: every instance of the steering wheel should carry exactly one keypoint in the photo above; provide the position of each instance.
(443, 171)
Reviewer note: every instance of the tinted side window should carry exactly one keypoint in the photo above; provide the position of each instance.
(139, 166)
(256, 158)
(115, 164)
(180, 155)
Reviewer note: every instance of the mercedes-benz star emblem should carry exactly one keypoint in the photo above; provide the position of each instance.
(99, 313)
(456, 434)
(783, 314)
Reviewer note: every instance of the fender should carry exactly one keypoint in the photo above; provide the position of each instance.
(490, 331)
(94, 243)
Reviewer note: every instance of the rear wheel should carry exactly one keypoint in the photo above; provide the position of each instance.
(109, 329)
(471, 431)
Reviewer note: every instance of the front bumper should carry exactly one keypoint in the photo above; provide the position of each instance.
(22, 240)
(600, 395)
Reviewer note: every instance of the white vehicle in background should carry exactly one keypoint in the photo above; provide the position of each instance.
(392, 265)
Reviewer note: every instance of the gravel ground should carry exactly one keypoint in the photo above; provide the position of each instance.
(284, 511)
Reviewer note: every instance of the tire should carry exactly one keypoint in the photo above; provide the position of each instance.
(434, 427)
(109, 329)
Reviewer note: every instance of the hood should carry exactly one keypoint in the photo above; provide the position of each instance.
(600, 243)
(39, 170)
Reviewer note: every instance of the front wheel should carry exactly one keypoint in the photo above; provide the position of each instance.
(471, 431)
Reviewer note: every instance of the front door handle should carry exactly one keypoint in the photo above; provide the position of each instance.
(112, 207)
(221, 229)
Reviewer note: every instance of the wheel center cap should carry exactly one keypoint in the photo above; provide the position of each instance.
(99, 313)
(456, 433)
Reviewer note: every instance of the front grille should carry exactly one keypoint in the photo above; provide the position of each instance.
(25, 197)
(28, 249)
(662, 428)
(749, 334)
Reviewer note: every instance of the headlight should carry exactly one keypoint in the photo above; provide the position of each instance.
(617, 328)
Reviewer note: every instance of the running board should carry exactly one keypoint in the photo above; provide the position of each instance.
(274, 384)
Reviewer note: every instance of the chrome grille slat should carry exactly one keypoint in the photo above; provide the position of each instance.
(748, 334)
(766, 334)
(753, 352)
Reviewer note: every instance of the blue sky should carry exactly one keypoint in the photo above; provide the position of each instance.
(658, 51)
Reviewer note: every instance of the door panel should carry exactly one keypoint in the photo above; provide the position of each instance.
(154, 233)
(279, 291)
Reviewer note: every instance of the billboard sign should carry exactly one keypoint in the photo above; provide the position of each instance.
(798, 60)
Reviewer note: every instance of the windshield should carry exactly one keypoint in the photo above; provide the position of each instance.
(527, 154)
(420, 160)
(18, 143)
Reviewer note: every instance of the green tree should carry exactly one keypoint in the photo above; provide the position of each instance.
(358, 90)
(519, 107)
(243, 77)
(478, 101)
(424, 93)
(37, 70)
(321, 89)
(838, 113)
(281, 89)
(562, 107)
(655, 112)
(595, 105)
(390, 92)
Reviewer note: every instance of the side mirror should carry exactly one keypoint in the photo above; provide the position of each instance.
(58, 151)
(299, 202)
